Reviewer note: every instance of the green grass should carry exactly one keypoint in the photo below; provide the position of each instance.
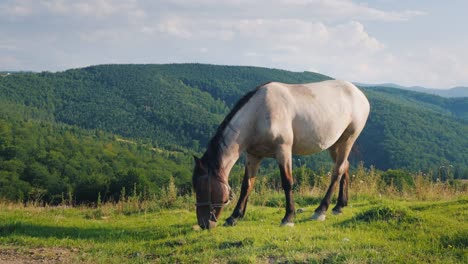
(371, 230)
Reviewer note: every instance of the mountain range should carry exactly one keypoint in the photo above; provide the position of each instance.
(176, 108)
(458, 91)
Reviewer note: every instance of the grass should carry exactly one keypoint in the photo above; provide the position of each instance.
(373, 229)
(424, 223)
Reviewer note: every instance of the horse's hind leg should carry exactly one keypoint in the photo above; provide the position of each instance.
(284, 159)
(343, 193)
(339, 152)
(251, 169)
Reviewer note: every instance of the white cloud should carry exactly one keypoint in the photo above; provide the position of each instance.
(19, 8)
(7, 47)
(431, 67)
(108, 35)
(104, 8)
(98, 9)
(10, 60)
(57, 6)
(316, 10)
(288, 43)
(355, 11)
(175, 27)
(331, 36)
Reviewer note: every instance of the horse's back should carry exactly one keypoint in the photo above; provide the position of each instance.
(310, 117)
(334, 98)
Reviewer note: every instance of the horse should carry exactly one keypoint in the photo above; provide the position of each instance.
(278, 120)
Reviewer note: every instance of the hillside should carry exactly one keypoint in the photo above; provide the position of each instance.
(41, 161)
(178, 106)
(454, 107)
(451, 92)
(412, 130)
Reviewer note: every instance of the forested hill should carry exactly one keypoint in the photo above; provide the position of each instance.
(171, 104)
(179, 106)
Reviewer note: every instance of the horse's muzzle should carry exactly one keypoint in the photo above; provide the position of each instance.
(209, 225)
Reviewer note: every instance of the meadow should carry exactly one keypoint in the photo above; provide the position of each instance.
(426, 223)
(96, 165)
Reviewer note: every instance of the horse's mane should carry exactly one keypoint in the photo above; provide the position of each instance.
(212, 157)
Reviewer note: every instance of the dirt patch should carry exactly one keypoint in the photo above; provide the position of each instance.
(36, 255)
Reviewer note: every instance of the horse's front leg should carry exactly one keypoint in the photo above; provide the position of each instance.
(284, 159)
(251, 168)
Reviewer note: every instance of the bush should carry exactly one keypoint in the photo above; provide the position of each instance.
(400, 179)
(386, 213)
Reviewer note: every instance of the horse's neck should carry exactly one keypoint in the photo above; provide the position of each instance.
(230, 154)
(235, 144)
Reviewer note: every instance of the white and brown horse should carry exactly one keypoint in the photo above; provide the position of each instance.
(278, 120)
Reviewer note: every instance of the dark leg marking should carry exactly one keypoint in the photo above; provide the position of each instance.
(247, 185)
(322, 208)
(287, 183)
(343, 193)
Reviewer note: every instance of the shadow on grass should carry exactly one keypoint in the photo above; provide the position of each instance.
(96, 234)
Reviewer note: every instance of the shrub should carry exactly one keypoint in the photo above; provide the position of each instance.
(400, 179)
(386, 213)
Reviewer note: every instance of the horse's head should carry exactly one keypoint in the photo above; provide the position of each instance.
(212, 195)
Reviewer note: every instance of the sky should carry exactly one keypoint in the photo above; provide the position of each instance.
(411, 42)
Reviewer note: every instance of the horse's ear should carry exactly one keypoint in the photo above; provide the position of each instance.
(199, 163)
(197, 160)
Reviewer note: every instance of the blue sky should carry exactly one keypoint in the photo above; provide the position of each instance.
(405, 42)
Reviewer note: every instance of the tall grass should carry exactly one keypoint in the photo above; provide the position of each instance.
(364, 183)
(308, 190)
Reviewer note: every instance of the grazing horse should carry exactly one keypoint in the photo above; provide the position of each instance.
(278, 120)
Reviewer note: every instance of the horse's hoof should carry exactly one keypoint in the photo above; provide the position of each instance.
(230, 222)
(318, 216)
(337, 212)
(289, 224)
